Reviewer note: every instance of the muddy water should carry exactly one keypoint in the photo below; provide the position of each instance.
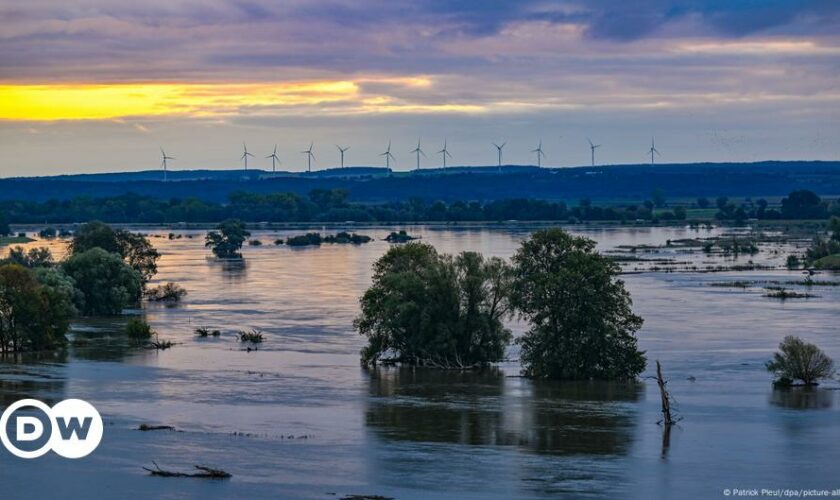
(300, 418)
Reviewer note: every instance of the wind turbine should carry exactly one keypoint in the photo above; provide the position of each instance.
(341, 151)
(499, 148)
(540, 154)
(592, 148)
(653, 150)
(163, 163)
(274, 158)
(444, 152)
(418, 152)
(245, 155)
(309, 157)
(388, 156)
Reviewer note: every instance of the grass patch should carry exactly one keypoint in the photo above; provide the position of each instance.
(253, 336)
(12, 240)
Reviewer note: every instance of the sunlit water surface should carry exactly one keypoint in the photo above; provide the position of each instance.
(300, 418)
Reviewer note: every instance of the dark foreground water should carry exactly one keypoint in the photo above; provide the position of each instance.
(299, 418)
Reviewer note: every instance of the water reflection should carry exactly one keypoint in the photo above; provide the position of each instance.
(802, 398)
(488, 408)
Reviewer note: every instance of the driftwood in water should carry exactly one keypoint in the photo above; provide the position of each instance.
(667, 417)
(147, 427)
(203, 472)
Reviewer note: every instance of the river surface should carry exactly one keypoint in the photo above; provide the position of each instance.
(299, 417)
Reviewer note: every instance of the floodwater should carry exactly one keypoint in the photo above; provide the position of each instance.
(299, 418)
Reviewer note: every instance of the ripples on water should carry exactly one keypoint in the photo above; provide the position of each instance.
(300, 417)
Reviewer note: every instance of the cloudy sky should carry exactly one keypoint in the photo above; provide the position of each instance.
(96, 85)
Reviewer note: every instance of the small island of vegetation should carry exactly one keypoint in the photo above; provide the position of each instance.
(428, 309)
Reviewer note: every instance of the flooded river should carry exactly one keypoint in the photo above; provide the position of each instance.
(299, 418)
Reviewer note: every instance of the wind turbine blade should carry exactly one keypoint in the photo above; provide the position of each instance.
(503, 144)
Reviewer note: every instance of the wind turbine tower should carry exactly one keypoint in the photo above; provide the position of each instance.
(540, 154)
(388, 156)
(274, 159)
(341, 152)
(418, 152)
(309, 157)
(592, 148)
(245, 155)
(499, 150)
(163, 163)
(653, 150)
(444, 152)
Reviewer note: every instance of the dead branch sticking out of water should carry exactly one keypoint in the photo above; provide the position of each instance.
(203, 472)
(366, 497)
(147, 427)
(667, 417)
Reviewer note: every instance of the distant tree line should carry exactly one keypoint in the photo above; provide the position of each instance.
(800, 204)
(333, 205)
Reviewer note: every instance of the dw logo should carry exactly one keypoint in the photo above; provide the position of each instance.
(72, 428)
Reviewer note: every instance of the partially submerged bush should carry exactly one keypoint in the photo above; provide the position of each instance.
(399, 237)
(255, 243)
(304, 240)
(138, 330)
(227, 240)
(204, 331)
(169, 292)
(799, 360)
(344, 238)
(435, 310)
(253, 336)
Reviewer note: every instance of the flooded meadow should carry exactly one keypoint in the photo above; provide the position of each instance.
(298, 416)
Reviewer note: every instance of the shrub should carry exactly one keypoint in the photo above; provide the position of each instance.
(34, 257)
(435, 310)
(47, 233)
(582, 325)
(206, 332)
(799, 360)
(138, 330)
(304, 240)
(399, 237)
(345, 238)
(107, 284)
(255, 243)
(253, 336)
(169, 292)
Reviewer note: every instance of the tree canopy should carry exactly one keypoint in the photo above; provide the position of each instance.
(581, 322)
(106, 283)
(227, 239)
(435, 310)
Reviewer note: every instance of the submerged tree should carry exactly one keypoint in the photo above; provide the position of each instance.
(227, 240)
(435, 310)
(33, 315)
(582, 325)
(107, 284)
(799, 360)
(134, 248)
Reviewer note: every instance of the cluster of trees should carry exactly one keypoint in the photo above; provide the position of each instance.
(104, 272)
(428, 309)
(799, 204)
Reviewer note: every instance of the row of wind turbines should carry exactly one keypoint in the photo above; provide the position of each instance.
(418, 152)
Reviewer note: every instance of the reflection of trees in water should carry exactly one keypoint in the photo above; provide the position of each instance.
(487, 408)
(233, 270)
(32, 375)
(802, 398)
(102, 339)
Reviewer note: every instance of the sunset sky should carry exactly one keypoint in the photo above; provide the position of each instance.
(95, 85)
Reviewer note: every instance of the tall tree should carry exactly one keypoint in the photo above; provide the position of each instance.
(582, 325)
